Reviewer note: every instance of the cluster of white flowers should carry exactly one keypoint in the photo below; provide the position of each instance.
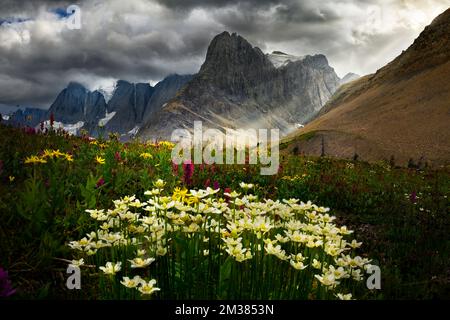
(300, 234)
(144, 287)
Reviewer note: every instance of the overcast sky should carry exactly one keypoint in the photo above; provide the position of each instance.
(145, 40)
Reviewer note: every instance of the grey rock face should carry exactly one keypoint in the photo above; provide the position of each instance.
(69, 106)
(95, 109)
(239, 87)
(129, 102)
(164, 91)
(128, 107)
(75, 103)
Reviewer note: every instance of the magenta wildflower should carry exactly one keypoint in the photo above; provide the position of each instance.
(52, 119)
(207, 183)
(188, 171)
(29, 130)
(100, 182)
(413, 197)
(6, 288)
(216, 185)
(117, 156)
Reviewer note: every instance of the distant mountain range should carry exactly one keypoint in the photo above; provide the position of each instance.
(401, 112)
(77, 108)
(238, 86)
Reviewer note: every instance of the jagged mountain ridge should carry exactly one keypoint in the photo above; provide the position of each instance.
(164, 91)
(75, 104)
(239, 87)
(129, 102)
(78, 108)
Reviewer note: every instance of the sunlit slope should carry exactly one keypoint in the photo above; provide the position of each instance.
(402, 111)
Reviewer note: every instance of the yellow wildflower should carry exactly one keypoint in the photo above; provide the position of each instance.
(100, 160)
(58, 153)
(146, 155)
(167, 144)
(179, 194)
(34, 159)
(48, 154)
(69, 157)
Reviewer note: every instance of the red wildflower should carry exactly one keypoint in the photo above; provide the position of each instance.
(188, 171)
(52, 119)
(100, 182)
(227, 190)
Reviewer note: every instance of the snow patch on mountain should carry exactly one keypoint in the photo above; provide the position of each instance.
(280, 59)
(108, 116)
(134, 131)
(69, 128)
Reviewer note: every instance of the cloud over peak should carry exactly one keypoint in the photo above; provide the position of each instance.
(145, 40)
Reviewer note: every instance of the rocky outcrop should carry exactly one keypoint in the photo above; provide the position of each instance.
(239, 87)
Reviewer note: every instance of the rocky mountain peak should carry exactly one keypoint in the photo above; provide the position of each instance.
(228, 52)
(240, 86)
(232, 64)
(76, 86)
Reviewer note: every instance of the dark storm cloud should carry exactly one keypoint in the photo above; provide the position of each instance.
(191, 4)
(145, 40)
